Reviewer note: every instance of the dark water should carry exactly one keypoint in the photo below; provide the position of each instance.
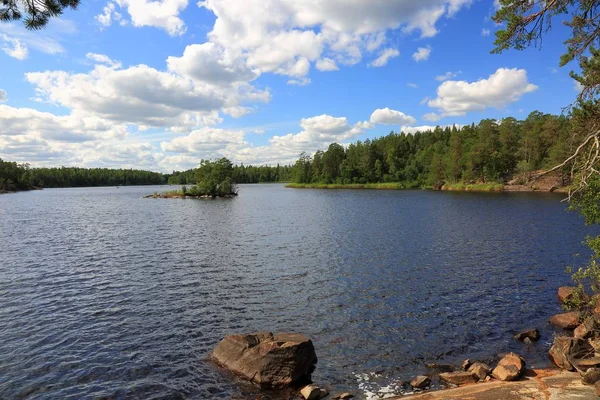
(104, 294)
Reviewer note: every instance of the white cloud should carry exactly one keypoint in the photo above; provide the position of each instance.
(208, 62)
(146, 96)
(432, 117)
(387, 116)
(503, 87)
(292, 30)
(103, 59)
(578, 87)
(485, 32)
(424, 128)
(299, 81)
(3, 96)
(412, 85)
(422, 54)
(108, 16)
(162, 14)
(14, 47)
(384, 57)
(326, 64)
(447, 75)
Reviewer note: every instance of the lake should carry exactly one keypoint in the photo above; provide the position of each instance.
(105, 294)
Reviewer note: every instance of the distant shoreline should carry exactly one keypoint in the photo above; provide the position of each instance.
(483, 187)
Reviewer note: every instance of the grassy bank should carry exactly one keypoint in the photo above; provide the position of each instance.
(478, 187)
(379, 186)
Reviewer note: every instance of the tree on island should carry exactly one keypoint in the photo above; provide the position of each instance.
(525, 23)
(214, 179)
(38, 12)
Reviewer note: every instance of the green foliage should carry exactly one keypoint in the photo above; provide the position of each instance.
(490, 152)
(37, 13)
(15, 176)
(240, 174)
(214, 179)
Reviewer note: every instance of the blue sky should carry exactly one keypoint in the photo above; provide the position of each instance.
(160, 85)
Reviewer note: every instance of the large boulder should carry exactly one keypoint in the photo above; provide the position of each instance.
(591, 376)
(567, 320)
(510, 368)
(566, 350)
(458, 378)
(266, 359)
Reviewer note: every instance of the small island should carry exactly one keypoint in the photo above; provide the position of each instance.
(215, 180)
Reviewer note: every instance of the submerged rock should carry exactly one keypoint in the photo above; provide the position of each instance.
(343, 396)
(466, 364)
(532, 334)
(568, 320)
(266, 359)
(510, 368)
(565, 350)
(458, 378)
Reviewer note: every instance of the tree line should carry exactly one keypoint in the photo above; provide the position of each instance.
(491, 151)
(15, 176)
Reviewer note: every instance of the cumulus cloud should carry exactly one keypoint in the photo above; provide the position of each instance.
(316, 134)
(503, 87)
(3, 96)
(178, 99)
(326, 64)
(162, 14)
(422, 54)
(387, 116)
(14, 47)
(292, 30)
(384, 57)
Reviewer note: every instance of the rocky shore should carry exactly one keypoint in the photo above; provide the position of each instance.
(288, 359)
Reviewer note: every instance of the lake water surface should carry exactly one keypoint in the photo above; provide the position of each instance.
(104, 294)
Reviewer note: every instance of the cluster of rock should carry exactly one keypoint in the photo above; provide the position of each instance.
(579, 349)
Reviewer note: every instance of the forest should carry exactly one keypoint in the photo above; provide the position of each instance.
(14, 176)
(491, 151)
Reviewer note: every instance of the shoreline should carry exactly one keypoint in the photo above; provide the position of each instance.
(484, 187)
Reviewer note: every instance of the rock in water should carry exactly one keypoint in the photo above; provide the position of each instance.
(458, 378)
(480, 370)
(565, 293)
(467, 364)
(313, 392)
(531, 334)
(266, 359)
(420, 382)
(566, 349)
(568, 320)
(509, 368)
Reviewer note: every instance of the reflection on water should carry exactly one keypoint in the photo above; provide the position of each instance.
(106, 294)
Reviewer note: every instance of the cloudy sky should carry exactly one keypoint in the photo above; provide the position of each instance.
(161, 84)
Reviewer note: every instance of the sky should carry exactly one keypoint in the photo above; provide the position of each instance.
(160, 85)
